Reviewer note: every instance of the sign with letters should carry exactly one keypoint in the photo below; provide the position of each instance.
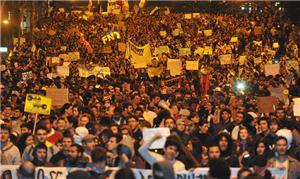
(111, 36)
(37, 104)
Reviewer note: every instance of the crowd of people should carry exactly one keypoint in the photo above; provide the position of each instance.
(102, 124)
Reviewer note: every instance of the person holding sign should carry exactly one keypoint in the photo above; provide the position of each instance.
(172, 149)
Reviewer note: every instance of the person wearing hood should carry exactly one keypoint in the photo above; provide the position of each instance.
(249, 122)
(226, 145)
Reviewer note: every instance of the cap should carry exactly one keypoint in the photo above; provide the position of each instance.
(82, 131)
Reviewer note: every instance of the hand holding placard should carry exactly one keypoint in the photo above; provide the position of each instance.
(156, 135)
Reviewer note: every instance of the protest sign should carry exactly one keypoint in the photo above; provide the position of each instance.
(111, 36)
(266, 104)
(27, 75)
(225, 59)
(196, 15)
(59, 96)
(275, 45)
(272, 69)
(292, 64)
(101, 71)
(74, 56)
(149, 133)
(62, 71)
(296, 107)
(84, 72)
(51, 172)
(257, 60)
(122, 47)
(278, 93)
(63, 48)
(160, 50)
(155, 71)
(199, 51)
(107, 49)
(192, 65)
(208, 32)
(234, 39)
(163, 33)
(140, 56)
(184, 51)
(37, 104)
(242, 60)
(65, 56)
(175, 66)
(207, 50)
(188, 16)
(176, 32)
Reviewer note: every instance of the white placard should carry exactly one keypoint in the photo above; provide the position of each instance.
(149, 133)
(296, 107)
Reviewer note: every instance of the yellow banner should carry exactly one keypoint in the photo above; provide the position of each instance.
(140, 56)
(37, 104)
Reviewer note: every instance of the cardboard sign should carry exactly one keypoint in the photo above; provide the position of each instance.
(257, 60)
(27, 75)
(199, 51)
(122, 47)
(225, 59)
(74, 56)
(160, 50)
(59, 96)
(208, 50)
(149, 133)
(101, 71)
(184, 51)
(176, 32)
(63, 71)
(192, 65)
(278, 93)
(37, 104)
(84, 72)
(234, 39)
(296, 107)
(272, 69)
(266, 104)
(208, 33)
(175, 66)
(196, 15)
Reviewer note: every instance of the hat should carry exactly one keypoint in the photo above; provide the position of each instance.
(88, 138)
(252, 114)
(184, 112)
(82, 131)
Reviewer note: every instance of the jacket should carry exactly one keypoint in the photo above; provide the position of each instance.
(294, 167)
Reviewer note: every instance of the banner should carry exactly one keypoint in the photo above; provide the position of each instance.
(27, 75)
(140, 56)
(111, 36)
(175, 66)
(225, 59)
(37, 104)
(59, 96)
(101, 71)
(10, 171)
(192, 65)
(155, 71)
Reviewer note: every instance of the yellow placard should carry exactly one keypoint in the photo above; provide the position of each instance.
(242, 60)
(208, 50)
(37, 104)
(234, 39)
(188, 16)
(122, 47)
(208, 32)
(192, 65)
(276, 45)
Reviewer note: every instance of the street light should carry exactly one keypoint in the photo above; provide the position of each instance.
(5, 21)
